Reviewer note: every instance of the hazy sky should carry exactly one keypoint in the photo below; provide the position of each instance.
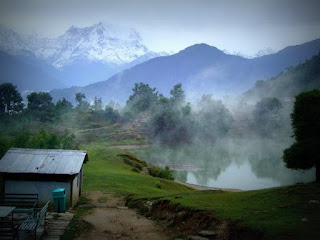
(171, 25)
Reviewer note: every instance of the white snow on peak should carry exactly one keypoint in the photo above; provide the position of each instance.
(266, 51)
(102, 42)
(260, 53)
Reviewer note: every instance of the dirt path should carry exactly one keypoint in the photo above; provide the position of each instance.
(94, 129)
(132, 146)
(112, 220)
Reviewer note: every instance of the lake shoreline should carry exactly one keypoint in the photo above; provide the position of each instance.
(203, 188)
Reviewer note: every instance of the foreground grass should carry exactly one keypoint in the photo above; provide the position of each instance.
(106, 172)
(290, 212)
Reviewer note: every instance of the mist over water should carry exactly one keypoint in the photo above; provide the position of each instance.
(247, 164)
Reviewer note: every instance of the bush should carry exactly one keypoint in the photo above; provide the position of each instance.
(135, 170)
(165, 173)
(4, 146)
(45, 140)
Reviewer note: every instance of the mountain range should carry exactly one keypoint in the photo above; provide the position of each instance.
(201, 69)
(105, 61)
(78, 57)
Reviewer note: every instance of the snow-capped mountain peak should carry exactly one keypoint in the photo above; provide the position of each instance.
(105, 43)
(266, 51)
(99, 42)
(260, 53)
(81, 55)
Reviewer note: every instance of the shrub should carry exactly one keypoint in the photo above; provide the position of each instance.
(165, 173)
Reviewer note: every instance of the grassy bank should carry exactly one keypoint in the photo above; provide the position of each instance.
(290, 212)
(107, 172)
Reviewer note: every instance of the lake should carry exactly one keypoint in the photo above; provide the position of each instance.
(245, 164)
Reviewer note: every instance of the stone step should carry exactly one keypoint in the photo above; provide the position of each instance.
(56, 228)
(56, 224)
(55, 232)
(206, 233)
(197, 238)
(51, 238)
(60, 223)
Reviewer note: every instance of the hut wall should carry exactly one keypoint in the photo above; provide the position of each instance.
(75, 190)
(44, 189)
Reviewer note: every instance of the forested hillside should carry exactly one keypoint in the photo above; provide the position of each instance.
(289, 83)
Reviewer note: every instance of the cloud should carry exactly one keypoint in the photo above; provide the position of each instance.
(243, 25)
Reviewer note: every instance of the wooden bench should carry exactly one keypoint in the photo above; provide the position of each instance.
(34, 221)
(8, 230)
(24, 203)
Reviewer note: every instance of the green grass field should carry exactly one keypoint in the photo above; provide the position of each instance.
(281, 213)
(291, 212)
(107, 172)
(284, 212)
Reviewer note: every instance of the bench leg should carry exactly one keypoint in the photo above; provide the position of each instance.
(16, 233)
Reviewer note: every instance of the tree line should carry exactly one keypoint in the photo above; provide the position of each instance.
(172, 120)
(41, 108)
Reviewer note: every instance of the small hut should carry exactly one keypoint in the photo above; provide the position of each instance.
(41, 171)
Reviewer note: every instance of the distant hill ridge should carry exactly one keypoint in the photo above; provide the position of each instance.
(200, 68)
(305, 76)
(28, 73)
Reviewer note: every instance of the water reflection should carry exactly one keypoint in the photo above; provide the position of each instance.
(235, 176)
(229, 163)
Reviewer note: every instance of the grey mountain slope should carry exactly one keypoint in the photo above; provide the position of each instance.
(80, 73)
(28, 73)
(200, 68)
(81, 55)
(288, 84)
(31, 73)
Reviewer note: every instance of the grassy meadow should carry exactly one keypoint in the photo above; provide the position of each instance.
(290, 212)
(107, 172)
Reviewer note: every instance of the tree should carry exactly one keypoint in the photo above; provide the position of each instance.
(165, 121)
(266, 115)
(213, 118)
(44, 140)
(82, 105)
(40, 106)
(97, 104)
(178, 96)
(67, 140)
(114, 105)
(305, 152)
(111, 114)
(171, 124)
(63, 106)
(10, 99)
(79, 97)
(143, 97)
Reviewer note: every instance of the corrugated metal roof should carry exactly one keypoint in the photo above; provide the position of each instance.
(42, 161)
